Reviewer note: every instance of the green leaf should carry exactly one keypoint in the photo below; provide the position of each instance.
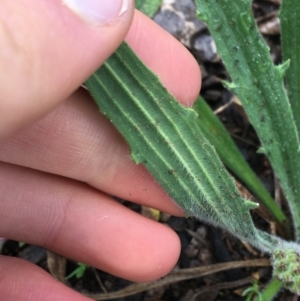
(270, 292)
(164, 137)
(78, 272)
(21, 244)
(252, 291)
(219, 137)
(148, 7)
(259, 86)
(290, 41)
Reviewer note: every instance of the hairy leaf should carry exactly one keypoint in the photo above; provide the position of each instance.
(259, 86)
(215, 132)
(164, 137)
(290, 39)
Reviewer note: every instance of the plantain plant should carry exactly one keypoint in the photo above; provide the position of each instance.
(173, 142)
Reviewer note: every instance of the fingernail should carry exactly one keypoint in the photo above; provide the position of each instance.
(98, 12)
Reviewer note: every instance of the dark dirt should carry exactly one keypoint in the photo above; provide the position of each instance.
(202, 245)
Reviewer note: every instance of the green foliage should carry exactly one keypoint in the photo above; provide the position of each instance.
(176, 153)
(148, 7)
(287, 268)
(218, 136)
(271, 290)
(259, 86)
(78, 272)
(21, 244)
(290, 41)
(251, 291)
(175, 146)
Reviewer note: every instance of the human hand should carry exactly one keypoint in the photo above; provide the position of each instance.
(59, 169)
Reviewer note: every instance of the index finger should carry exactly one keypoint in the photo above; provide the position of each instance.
(166, 57)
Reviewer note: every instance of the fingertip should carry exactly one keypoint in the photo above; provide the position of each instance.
(157, 257)
(166, 250)
(150, 250)
(108, 235)
(21, 280)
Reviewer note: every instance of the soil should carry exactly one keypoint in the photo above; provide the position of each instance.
(203, 247)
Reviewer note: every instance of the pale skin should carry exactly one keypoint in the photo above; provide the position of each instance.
(61, 161)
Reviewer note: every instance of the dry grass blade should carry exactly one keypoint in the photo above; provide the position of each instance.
(183, 274)
(225, 285)
(57, 266)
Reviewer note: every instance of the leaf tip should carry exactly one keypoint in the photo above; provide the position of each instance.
(136, 157)
(229, 85)
(282, 68)
(261, 150)
(251, 205)
(202, 16)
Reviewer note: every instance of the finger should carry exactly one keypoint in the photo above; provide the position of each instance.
(168, 58)
(75, 141)
(48, 51)
(72, 219)
(21, 280)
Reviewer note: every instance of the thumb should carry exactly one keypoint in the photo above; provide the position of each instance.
(48, 48)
